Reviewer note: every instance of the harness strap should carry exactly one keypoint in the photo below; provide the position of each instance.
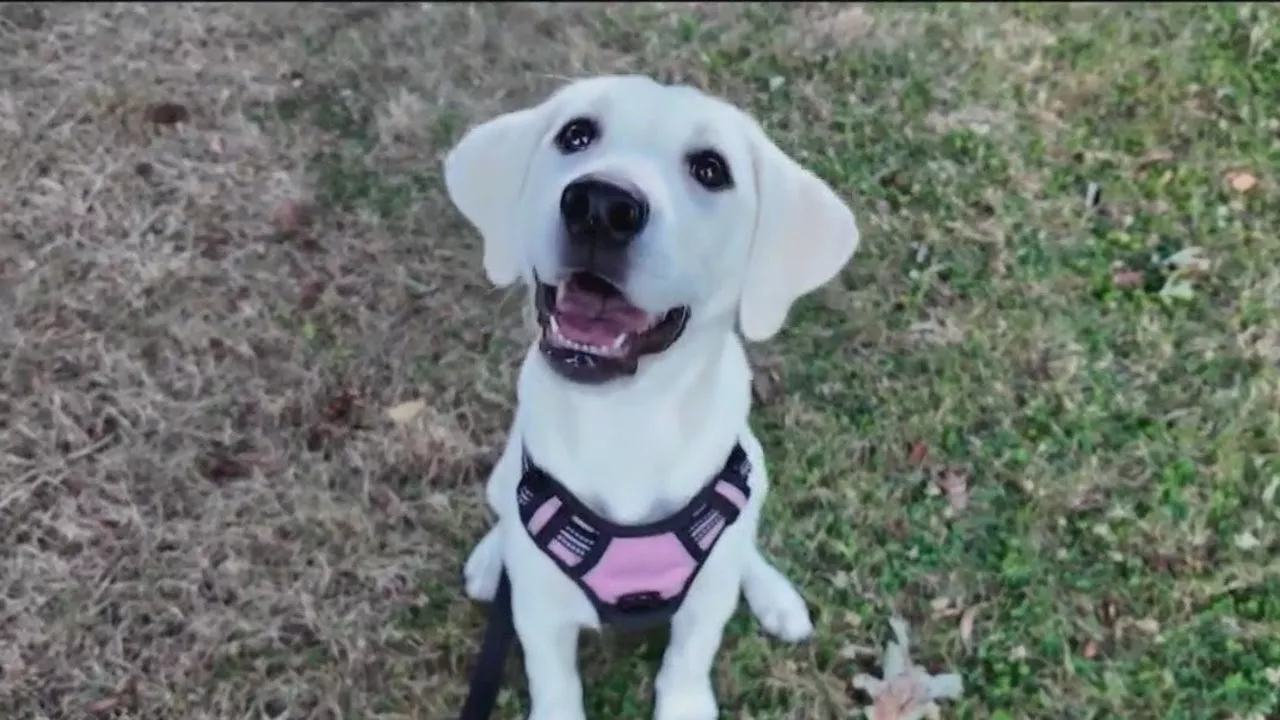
(486, 676)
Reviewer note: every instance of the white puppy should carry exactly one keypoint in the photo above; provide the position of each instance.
(648, 221)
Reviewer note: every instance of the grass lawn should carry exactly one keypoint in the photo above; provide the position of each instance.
(1039, 415)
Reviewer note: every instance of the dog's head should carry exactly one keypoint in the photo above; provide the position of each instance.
(641, 212)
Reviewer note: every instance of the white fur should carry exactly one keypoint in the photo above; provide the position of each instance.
(638, 448)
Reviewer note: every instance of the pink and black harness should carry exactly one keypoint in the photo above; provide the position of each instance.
(636, 576)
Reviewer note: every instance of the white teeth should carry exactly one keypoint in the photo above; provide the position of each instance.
(614, 348)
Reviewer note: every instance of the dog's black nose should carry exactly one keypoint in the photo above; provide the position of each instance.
(598, 211)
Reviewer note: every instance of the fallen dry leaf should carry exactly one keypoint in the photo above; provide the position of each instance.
(1110, 612)
(1150, 626)
(1246, 541)
(168, 113)
(1092, 195)
(124, 699)
(897, 703)
(406, 411)
(104, 707)
(222, 467)
(919, 453)
(954, 483)
(341, 406)
(999, 264)
(905, 691)
(1177, 289)
(1269, 494)
(766, 386)
(291, 216)
(853, 651)
(1189, 260)
(1153, 157)
(849, 24)
(967, 619)
(311, 293)
(1127, 278)
(1241, 181)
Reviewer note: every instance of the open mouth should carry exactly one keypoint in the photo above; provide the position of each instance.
(592, 333)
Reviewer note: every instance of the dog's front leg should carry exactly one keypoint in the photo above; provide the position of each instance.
(550, 645)
(774, 601)
(483, 568)
(484, 565)
(683, 687)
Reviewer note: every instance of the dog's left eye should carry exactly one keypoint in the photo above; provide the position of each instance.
(710, 170)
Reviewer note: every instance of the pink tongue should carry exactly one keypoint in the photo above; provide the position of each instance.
(587, 318)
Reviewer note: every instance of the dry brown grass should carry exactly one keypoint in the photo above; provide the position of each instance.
(203, 513)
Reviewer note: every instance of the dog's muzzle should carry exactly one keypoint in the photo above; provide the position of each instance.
(592, 334)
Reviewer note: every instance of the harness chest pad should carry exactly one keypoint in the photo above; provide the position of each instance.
(636, 576)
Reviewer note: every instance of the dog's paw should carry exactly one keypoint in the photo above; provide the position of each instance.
(686, 701)
(776, 604)
(484, 568)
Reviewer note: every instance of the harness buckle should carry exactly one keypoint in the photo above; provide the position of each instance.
(638, 601)
(641, 610)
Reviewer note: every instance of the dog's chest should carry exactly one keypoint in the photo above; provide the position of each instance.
(632, 491)
(634, 456)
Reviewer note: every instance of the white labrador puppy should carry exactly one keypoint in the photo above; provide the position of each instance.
(648, 221)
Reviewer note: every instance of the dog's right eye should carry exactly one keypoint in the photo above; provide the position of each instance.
(577, 135)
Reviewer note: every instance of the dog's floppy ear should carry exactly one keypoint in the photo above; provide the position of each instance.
(485, 176)
(804, 235)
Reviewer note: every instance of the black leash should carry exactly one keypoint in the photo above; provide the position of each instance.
(486, 675)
